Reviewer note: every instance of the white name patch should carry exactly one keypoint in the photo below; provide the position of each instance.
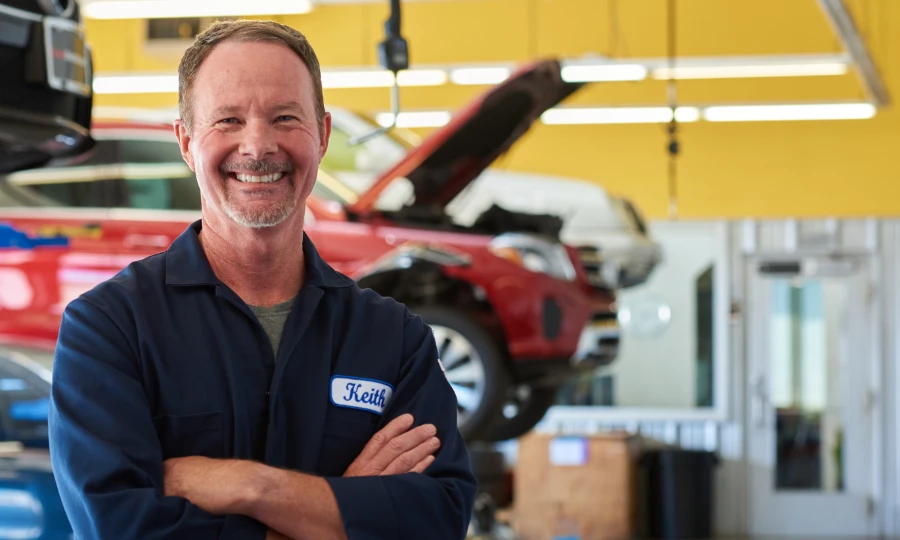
(356, 393)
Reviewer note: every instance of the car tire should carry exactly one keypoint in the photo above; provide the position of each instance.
(473, 363)
(530, 404)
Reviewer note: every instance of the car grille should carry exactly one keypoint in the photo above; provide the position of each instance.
(592, 263)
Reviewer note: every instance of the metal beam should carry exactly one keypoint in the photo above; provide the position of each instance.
(842, 22)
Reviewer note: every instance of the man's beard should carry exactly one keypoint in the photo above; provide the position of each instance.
(259, 218)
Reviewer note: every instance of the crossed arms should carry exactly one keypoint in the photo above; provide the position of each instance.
(114, 482)
(294, 505)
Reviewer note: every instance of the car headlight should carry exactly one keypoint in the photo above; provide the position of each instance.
(534, 253)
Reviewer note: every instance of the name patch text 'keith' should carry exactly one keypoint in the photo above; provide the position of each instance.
(357, 393)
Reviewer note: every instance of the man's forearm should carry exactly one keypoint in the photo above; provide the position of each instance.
(297, 505)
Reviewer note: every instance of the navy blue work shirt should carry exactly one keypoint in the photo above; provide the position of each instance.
(165, 361)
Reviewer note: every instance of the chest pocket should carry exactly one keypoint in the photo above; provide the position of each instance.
(346, 433)
(191, 435)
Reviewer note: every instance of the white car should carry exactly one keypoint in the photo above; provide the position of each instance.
(593, 220)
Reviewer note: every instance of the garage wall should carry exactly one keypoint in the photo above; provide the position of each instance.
(800, 169)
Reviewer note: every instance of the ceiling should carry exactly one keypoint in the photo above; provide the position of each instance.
(465, 33)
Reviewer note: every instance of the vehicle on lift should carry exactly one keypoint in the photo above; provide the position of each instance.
(513, 310)
(45, 90)
(609, 230)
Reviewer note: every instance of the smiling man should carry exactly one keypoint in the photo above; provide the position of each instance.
(236, 386)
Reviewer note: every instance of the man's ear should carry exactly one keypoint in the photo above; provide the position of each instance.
(326, 135)
(184, 142)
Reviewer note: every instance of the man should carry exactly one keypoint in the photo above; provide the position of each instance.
(236, 386)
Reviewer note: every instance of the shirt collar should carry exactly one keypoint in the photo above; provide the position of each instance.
(186, 263)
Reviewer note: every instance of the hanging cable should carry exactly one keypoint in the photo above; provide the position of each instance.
(673, 147)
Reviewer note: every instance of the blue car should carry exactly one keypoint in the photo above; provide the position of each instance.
(30, 507)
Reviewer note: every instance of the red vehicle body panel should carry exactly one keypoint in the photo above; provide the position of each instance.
(37, 283)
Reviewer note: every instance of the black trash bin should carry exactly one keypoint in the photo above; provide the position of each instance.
(676, 494)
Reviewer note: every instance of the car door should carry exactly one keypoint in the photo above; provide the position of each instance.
(56, 238)
(161, 196)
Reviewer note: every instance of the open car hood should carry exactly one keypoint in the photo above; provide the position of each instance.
(454, 155)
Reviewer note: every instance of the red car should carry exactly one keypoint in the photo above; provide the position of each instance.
(511, 307)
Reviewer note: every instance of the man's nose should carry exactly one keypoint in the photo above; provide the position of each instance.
(258, 140)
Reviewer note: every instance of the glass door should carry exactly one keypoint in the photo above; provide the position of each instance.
(811, 422)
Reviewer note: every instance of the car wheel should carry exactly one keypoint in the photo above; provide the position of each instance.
(523, 409)
(474, 365)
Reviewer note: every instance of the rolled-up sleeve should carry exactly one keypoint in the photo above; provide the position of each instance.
(106, 456)
(436, 504)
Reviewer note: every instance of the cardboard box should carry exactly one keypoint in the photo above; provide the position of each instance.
(575, 487)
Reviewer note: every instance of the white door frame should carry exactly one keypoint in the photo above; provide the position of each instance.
(890, 293)
(866, 278)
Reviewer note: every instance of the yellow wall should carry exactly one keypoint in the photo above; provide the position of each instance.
(836, 168)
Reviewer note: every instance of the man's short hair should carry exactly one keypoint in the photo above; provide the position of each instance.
(244, 31)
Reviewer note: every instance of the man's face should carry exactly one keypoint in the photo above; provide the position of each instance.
(254, 143)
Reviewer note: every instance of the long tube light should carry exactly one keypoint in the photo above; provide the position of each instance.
(422, 119)
(595, 115)
(158, 84)
(484, 75)
(760, 70)
(603, 72)
(357, 79)
(618, 115)
(758, 113)
(572, 71)
(135, 84)
(382, 78)
(662, 115)
(157, 9)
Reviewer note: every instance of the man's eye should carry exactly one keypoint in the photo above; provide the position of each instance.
(228, 121)
(286, 118)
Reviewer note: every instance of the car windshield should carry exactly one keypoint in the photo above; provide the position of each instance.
(124, 170)
(358, 165)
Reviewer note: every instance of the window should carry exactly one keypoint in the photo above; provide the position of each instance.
(330, 189)
(87, 181)
(157, 177)
(340, 155)
(143, 174)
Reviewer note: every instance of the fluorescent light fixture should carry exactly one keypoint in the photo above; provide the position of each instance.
(357, 79)
(382, 78)
(738, 72)
(603, 72)
(135, 84)
(156, 9)
(619, 115)
(422, 119)
(422, 77)
(755, 113)
(485, 75)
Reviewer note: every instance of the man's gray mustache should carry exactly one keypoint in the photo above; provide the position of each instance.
(257, 166)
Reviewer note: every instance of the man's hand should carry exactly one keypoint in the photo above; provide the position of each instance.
(397, 449)
(215, 485)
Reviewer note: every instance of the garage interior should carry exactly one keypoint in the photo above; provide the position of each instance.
(713, 177)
